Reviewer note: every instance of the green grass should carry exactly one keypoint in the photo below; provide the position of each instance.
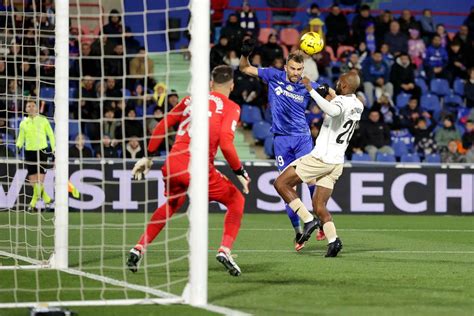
(390, 265)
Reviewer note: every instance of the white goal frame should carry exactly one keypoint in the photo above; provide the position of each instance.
(195, 292)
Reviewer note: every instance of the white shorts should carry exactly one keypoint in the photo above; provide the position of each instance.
(312, 170)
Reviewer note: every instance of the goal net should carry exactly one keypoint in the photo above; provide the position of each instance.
(103, 73)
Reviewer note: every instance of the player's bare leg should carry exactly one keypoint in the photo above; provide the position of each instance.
(284, 185)
(320, 201)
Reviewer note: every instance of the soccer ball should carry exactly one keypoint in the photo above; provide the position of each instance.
(311, 43)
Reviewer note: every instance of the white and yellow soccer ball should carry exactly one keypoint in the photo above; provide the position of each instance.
(311, 43)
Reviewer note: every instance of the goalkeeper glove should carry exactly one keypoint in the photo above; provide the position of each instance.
(141, 168)
(247, 47)
(244, 178)
(323, 90)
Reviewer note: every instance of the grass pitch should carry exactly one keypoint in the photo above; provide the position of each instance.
(390, 265)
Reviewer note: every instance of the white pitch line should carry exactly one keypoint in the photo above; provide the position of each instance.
(354, 230)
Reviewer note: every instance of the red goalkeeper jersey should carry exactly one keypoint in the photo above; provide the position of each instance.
(223, 118)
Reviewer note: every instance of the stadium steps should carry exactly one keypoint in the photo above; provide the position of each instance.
(243, 147)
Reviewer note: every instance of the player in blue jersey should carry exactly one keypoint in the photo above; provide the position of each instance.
(288, 100)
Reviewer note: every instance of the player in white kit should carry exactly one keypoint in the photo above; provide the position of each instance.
(323, 166)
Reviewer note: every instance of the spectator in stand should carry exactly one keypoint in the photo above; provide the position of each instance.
(113, 65)
(323, 61)
(363, 52)
(452, 155)
(468, 140)
(382, 26)
(436, 59)
(133, 126)
(157, 117)
(313, 13)
(283, 18)
(247, 90)
(256, 60)
(402, 76)
(89, 106)
(457, 61)
(370, 39)
(172, 100)
(469, 22)
(3, 77)
(425, 143)
(107, 149)
(217, 11)
(410, 113)
(446, 133)
(416, 47)
(375, 135)
(337, 28)
(159, 94)
(4, 150)
(360, 23)
(462, 36)
(89, 64)
(428, 27)
(376, 77)
(352, 63)
(219, 51)
(110, 125)
(278, 63)
(310, 68)
(386, 55)
(388, 111)
(47, 69)
(232, 59)
(248, 20)
(78, 150)
(111, 89)
(271, 51)
(397, 40)
(469, 88)
(115, 32)
(28, 73)
(407, 22)
(142, 69)
(134, 149)
(441, 31)
(233, 32)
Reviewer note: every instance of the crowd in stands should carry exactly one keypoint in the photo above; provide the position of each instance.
(417, 79)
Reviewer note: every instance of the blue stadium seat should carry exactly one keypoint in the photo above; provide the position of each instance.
(452, 102)
(47, 94)
(402, 99)
(400, 149)
(361, 157)
(323, 80)
(261, 130)
(440, 87)
(410, 158)
(433, 158)
(458, 86)
(430, 102)
(268, 146)
(420, 82)
(385, 157)
(250, 114)
(72, 94)
(73, 129)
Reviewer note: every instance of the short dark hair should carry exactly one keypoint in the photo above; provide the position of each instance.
(222, 74)
(296, 56)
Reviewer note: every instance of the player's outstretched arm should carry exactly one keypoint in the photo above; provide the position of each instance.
(247, 47)
(319, 97)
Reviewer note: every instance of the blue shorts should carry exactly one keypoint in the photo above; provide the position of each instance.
(289, 148)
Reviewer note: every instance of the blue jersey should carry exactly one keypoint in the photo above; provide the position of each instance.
(288, 102)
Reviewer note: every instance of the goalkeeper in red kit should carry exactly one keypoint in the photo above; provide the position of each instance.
(223, 117)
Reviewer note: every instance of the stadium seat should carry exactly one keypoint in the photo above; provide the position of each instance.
(323, 80)
(440, 87)
(250, 114)
(433, 158)
(47, 94)
(420, 82)
(430, 102)
(73, 129)
(453, 101)
(361, 157)
(410, 158)
(265, 33)
(402, 99)
(289, 36)
(400, 149)
(261, 130)
(268, 146)
(385, 157)
(458, 86)
(72, 94)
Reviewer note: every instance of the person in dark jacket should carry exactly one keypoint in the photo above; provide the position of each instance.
(360, 23)
(219, 51)
(375, 136)
(248, 20)
(376, 74)
(425, 143)
(114, 31)
(234, 32)
(337, 28)
(397, 41)
(78, 150)
(407, 21)
(436, 59)
(411, 112)
(271, 51)
(402, 76)
(382, 26)
(107, 150)
(457, 65)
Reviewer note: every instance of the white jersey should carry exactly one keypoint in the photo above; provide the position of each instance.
(337, 131)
